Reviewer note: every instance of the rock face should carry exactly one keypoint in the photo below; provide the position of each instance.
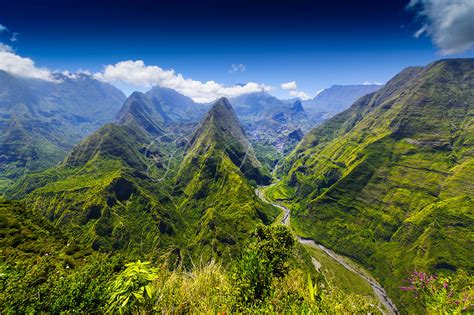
(41, 120)
(297, 108)
(390, 181)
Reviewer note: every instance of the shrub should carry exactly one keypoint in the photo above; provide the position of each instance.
(266, 257)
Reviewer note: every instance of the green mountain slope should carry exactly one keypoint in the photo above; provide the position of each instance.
(127, 187)
(390, 181)
(105, 191)
(219, 202)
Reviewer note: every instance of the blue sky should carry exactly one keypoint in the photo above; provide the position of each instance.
(315, 43)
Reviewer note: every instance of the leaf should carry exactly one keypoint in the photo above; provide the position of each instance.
(138, 296)
(126, 301)
(149, 291)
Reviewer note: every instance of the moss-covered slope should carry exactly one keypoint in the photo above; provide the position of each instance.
(120, 188)
(218, 200)
(105, 193)
(390, 181)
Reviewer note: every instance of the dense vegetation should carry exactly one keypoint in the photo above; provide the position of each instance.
(153, 213)
(389, 182)
(57, 274)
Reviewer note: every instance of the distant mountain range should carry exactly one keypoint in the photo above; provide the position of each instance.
(338, 98)
(40, 120)
(177, 106)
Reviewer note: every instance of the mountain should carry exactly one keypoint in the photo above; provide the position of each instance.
(127, 187)
(177, 106)
(390, 181)
(106, 193)
(41, 120)
(144, 112)
(215, 177)
(258, 105)
(338, 98)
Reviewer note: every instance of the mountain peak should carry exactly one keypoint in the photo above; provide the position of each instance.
(144, 111)
(221, 105)
(297, 107)
(220, 120)
(220, 131)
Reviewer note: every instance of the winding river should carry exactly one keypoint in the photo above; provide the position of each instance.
(388, 305)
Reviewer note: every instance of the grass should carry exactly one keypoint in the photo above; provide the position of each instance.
(338, 276)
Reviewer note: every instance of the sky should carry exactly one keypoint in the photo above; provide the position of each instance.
(206, 49)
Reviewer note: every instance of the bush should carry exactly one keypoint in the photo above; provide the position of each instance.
(266, 258)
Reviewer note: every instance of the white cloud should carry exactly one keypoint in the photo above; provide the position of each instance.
(5, 47)
(449, 23)
(301, 95)
(138, 74)
(237, 68)
(372, 83)
(289, 85)
(3, 28)
(24, 67)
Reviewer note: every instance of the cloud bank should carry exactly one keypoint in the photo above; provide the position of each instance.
(450, 23)
(293, 88)
(289, 85)
(24, 67)
(371, 83)
(138, 74)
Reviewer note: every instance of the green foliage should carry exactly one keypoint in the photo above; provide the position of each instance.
(265, 259)
(132, 290)
(45, 270)
(314, 291)
(275, 243)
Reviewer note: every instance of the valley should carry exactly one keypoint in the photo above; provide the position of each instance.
(386, 305)
(260, 191)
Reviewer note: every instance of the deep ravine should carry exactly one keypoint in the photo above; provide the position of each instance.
(388, 305)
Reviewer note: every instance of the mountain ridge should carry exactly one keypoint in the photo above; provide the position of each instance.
(380, 181)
